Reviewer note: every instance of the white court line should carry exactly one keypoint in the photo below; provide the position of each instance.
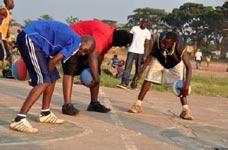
(128, 143)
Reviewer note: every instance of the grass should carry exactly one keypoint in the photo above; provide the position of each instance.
(210, 86)
(200, 85)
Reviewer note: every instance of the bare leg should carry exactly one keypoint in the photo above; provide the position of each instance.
(94, 93)
(67, 88)
(183, 100)
(33, 97)
(48, 95)
(186, 113)
(144, 89)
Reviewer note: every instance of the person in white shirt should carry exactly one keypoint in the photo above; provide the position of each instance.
(198, 58)
(137, 51)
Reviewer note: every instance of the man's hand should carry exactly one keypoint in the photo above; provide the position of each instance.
(184, 90)
(51, 65)
(91, 84)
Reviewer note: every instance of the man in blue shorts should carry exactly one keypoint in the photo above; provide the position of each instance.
(42, 45)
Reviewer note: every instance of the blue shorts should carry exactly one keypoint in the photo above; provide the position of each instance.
(36, 61)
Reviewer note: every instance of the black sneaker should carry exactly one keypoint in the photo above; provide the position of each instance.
(97, 107)
(68, 109)
(133, 85)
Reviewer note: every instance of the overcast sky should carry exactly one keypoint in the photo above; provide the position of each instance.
(117, 10)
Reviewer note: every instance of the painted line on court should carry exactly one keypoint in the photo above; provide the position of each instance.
(128, 143)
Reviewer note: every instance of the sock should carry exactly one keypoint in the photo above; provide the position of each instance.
(138, 102)
(45, 112)
(19, 117)
(185, 107)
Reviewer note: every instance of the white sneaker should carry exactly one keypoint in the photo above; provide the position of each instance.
(23, 126)
(186, 114)
(51, 118)
(135, 109)
(122, 86)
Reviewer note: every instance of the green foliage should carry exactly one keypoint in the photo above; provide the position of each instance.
(46, 17)
(209, 86)
(110, 22)
(153, 15)
(71, 20)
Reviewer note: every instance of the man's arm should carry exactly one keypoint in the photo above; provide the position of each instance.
(188, 68)
(3, 12)
(94, 66)
(146, 50)
(53, 61)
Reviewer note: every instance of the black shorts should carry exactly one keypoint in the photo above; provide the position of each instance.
(75, 65)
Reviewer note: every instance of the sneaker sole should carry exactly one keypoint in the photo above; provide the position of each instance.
(122, 87)
(65, 113)
(100, 111)
(186, 118)
(11, 128)
(134, 112)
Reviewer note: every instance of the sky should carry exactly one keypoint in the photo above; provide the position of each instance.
(117, 10)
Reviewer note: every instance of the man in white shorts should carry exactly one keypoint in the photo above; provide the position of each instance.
(166, 60)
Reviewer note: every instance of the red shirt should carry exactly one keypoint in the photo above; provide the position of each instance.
(101, 32)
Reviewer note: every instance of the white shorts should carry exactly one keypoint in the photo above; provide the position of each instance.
(158, 74)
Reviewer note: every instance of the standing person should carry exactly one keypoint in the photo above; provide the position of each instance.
(208, 60)
(198, 58)
(137, 51)
(42, 45)
(105, 36)
(3, 14)
(4, 31)
(167, 56)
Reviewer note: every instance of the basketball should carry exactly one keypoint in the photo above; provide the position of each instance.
(86, 76)
(19, 70)
(177, 86)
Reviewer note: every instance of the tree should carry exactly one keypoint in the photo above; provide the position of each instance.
(110, 22)
(153, 15)
(26, 22)
(46, 17)
(14, 23)
(71, 20)
(188, 20)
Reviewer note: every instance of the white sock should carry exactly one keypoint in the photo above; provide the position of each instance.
(185, 107)
(44, 110)
(138, 102)
(22, 115)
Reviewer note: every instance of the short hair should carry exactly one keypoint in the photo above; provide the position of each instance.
(121, 38)
(89, 42)
(171, 35)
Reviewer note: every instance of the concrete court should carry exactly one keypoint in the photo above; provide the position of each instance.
(157, 128)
